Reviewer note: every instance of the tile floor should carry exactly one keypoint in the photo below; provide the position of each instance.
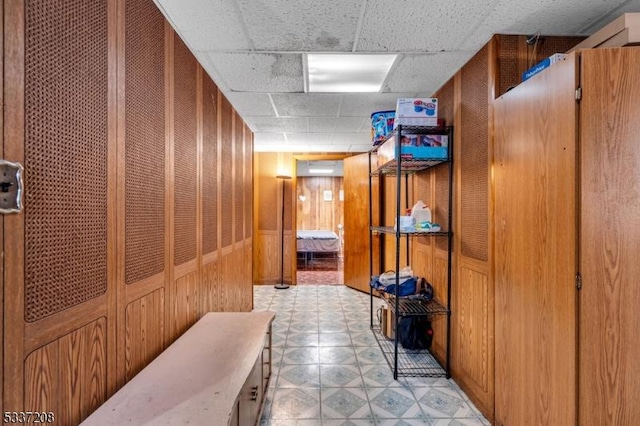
(329, 370)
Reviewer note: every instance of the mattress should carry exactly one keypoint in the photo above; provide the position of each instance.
(317, 241)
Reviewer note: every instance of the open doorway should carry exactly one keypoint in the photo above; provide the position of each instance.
(319, 222)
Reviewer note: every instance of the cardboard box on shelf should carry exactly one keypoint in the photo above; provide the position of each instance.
(542, 65)
(415, 147)
(416, 112)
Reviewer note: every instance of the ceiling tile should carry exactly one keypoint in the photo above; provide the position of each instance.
(259, 72)
(312, 105)
(251, 104)
(268, 138)
(278, 124)
(309, 138)
(425, 73)
(335, 124)
(549, 17)
(365, 104)
(302, 25)
(206, 25)
(416, 25)
(361, 138)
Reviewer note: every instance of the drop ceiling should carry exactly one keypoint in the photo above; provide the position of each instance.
(255, 52)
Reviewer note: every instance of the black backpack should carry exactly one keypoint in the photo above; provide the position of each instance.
(415, 332)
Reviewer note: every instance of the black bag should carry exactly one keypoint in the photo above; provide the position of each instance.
(415, 332)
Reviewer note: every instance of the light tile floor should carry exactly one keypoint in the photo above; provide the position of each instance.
(329, 370)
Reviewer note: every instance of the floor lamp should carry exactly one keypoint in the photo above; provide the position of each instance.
(281, 285)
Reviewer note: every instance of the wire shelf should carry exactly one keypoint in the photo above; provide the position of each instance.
(415, 307)
(409, 166)
(390, 230)
(411, 363)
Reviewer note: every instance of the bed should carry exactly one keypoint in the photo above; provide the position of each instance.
(316, 244)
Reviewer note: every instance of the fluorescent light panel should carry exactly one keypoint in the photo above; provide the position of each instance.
(321, 171)
(347, 73)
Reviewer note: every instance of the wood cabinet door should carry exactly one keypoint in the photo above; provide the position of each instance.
(535, 250)
(610, 237)
(356, 222)
(251, 396)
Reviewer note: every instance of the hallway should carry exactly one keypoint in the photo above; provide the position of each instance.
(329, 370)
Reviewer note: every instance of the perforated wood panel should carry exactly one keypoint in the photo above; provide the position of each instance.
(238, 182)
(445, 111)
(210, 166)
(445, 102)
(508, 62)
(226, 160)
(65, 155)
(185, 152)
(516, 56)
(474, 160)
(144, 140)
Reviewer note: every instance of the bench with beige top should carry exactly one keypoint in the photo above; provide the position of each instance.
(216, 373)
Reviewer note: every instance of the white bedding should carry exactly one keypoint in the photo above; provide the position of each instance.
(317, 241)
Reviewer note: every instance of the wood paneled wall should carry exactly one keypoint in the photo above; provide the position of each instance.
(123, 242)
(268, 213)
(315, 212)
(466, 103)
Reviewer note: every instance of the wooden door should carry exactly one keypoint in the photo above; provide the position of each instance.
(356, 222)
(535, 258)
(59, 309)
(610, 238)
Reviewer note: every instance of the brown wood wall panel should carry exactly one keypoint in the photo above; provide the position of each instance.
(185, 152)
(356, 209)
(144, 325)
(268, 257)
(211, 288)
(440, 210)
(535, 241)
(314, 212)
(210, 166)
(472, 315)
(248, 182)
(288, 203)
(83, 372)
(2, 221)
(422, 191)
(516, 56)
(69, 376)
(229, 288)
(268, 192)
(609, 299)
(439, 324)
(66, 132)
(41, 382)
(508, 63)
(226, 163)
(247, 287)
(144, 109)
(98, 144)
(238, 173)
(474, 158)
(185, 304)
(422, 262)
(446, 103)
